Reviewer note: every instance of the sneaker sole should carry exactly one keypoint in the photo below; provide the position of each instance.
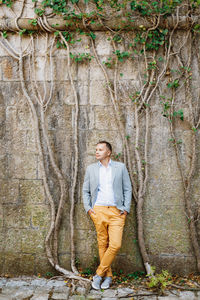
(95, 287)
(105, 287)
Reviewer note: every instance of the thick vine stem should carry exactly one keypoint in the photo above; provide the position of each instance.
(42, 103)
(50, 254)
(75, 169)
(141, 192)
(186, 178)
(41, 155)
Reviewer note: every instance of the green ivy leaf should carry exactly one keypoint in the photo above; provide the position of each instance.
(93, 36)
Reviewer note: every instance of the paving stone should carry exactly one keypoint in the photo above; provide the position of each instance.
(143, 298)
(76, 297)
(122, 292)
(94, 293)
(39, 282)
(109, 293)
(43, 289)
(16, 283)
(2, 282)
(80, 290)
(5, 297)
(110, 298)
(92, 297)
(62, 289)
(55, 283)
(22, 294)
(168, 297)
(9, 290)
(59, 296)
(187, 295)
(40, 297)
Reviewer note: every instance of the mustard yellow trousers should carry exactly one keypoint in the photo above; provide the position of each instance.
(109, 224)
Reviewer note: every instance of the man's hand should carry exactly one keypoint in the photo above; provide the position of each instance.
(124, 213)
(91, 211)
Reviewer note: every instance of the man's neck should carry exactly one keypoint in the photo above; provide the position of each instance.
(105, 161)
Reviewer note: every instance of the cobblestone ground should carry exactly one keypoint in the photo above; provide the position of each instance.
(34, 288)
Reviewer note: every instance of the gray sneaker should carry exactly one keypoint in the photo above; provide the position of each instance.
(96, 282)
(107, 282)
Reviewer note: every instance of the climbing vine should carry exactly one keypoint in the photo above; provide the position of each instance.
(151, 53)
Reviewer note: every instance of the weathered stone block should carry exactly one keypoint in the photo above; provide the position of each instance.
(3, 166)
(22, 166)
(40, 216)
(59, 296)
(105, 118)
(96, 72)
(31, 192)
(35, 244)
(10, 93)
(172, 242)
(12, 237)
(42, 265)
(9, 69)
(17, 216)
(83, 71)
(172, 217)
(103, 44)
(61, 69)
(122, 292)
(128, 70)
(99, 94)
(11, 263)
(40, 297)
(1, 221)
(9, 191)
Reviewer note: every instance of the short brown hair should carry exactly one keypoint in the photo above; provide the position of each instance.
(108, 145)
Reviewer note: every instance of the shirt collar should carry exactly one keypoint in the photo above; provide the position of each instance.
(109, 164)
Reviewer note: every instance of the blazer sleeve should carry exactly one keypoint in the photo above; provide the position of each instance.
(86, 191)
(127, 189)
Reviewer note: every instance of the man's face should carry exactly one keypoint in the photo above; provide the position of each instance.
(102, 152)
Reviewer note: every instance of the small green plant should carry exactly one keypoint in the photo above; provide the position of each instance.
(160, 281)
(39, 11)
(87, 271)
(108, 63)
(81, 57)
(6, 2)
(179, 114)
(49, 274)
(122, 55)
(5, 35)
(33, 22)
(118, 155)
(22, 31)
(136, 275)
(173, 84)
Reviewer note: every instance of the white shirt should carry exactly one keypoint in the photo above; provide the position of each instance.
(105, 195)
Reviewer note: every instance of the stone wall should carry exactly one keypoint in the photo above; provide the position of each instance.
(24, 209)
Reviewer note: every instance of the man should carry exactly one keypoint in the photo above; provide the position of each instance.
(107, 198)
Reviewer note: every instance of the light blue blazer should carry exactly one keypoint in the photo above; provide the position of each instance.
(121, 186)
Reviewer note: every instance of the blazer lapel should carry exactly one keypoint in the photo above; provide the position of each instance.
(96, 174)
(114, 170)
